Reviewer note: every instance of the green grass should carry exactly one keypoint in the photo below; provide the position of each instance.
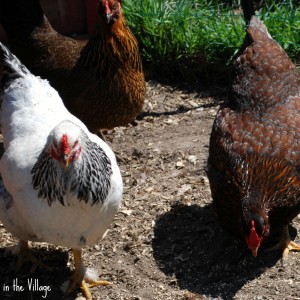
(283, 22)
(180, 36)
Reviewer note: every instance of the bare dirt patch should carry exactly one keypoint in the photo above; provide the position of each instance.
(164, 243)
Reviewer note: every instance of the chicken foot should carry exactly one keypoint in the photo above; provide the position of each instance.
(25, 255)
(285, 244)
(80, 280)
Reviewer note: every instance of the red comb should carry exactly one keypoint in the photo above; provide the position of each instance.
(107, 9)
(65, 144)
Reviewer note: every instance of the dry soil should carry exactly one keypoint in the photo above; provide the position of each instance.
(164, 243)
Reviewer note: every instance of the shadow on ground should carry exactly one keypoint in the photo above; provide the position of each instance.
(191, 247)
(36, 283)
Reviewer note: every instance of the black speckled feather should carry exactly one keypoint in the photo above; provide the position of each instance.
(92, 180)
(12, 67)
(50, 183)
(88, 180)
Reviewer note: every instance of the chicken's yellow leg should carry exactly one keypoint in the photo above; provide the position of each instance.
(25, 254)
(78, 279)
(285, 244)
(292, 246)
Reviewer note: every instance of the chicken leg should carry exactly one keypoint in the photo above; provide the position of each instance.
(285, 244)
(25, 254)
(80, 280)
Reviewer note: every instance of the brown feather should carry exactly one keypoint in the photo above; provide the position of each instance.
(100, 81)
(254, 155)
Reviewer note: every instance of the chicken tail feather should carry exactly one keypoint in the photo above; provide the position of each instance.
(10, 66)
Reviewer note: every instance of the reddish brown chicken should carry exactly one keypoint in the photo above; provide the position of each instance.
(254, 155)
(100, 81)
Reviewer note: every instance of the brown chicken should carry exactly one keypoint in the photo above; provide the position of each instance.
(100, 81)
(254, 155)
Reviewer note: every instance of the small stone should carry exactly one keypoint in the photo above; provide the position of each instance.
(179, 165)
(97, 247)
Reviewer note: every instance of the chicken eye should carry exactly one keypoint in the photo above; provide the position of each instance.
(53, 153)
(75, 144)
(265, 231)
(55, 145)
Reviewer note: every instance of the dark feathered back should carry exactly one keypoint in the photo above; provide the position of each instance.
(265, 76)
(254, 153)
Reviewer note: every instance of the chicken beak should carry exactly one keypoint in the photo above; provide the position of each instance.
(66, 161)
(254, 251)
(108, 18)
(66, 164)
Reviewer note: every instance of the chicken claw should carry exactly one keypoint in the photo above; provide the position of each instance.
(292, 246)
(25, 254)
(285, 244)
(79, 279)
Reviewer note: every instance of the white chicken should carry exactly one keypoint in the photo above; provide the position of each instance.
(61, 184)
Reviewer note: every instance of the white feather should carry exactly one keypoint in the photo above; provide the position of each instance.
(30, 109)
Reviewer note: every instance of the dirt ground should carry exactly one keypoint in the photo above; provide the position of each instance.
(164, 243)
